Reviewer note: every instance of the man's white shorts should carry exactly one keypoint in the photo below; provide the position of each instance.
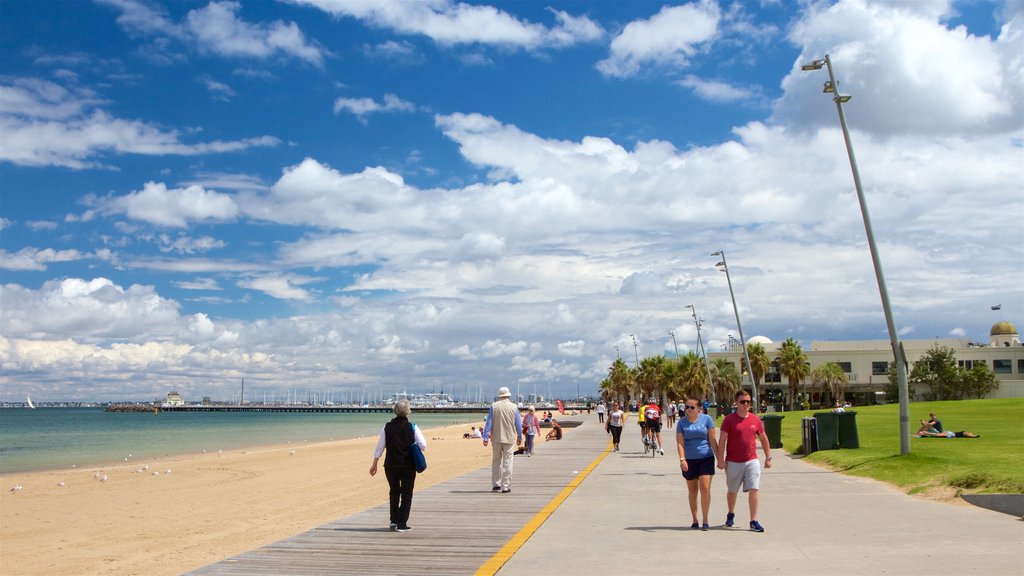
(746, 473)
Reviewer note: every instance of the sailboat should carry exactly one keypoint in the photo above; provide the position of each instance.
(30, 404)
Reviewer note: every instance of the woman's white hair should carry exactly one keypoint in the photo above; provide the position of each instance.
(401, 408)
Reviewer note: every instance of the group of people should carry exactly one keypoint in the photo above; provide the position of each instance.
(504, 430)
(700, 449)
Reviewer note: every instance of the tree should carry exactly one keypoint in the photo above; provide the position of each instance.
(978, 381)
(937, 370)
(892, 389)
(620, 380)
(650, 375)
(692, 377)
(793, 366)
(760, 363)
(726, 380)
(830, 376)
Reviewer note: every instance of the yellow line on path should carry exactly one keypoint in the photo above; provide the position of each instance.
(492, 566)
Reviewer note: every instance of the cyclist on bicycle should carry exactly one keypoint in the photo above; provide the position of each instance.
(652, 417)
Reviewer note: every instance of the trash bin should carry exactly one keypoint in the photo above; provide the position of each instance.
(847, 424)
(773, 428)
(808, 430)
(827, 430)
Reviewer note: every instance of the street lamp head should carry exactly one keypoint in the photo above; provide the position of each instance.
(722, 263)
(828, 88)
(813, 65)
(719, 253)
(842, 98)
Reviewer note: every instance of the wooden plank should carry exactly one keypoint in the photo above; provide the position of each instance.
(457, 525)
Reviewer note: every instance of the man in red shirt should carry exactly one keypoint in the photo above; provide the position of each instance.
(742, 468)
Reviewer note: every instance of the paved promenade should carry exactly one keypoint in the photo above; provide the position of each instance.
(577, 509)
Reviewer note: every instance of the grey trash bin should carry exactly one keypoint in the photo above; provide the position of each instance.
(810, 435)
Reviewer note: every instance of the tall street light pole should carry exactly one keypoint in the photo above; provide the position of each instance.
(832, 87)
(743, 341)
(636, 355)
(674, 345)
(703, 352)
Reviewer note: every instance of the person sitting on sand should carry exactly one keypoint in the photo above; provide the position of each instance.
(556, 431)
(947, 434)
(474, 433)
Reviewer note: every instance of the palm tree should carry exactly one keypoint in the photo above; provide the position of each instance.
(830, 376)
(620, 380)
(693, 377)
(759, 363)
(726, 380)
(793, 365)
(649, 375)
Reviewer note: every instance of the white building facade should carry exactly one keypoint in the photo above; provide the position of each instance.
(866, 364)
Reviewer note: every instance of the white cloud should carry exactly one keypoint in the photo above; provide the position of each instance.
(670, 39)
(978, 89)
(278, 286)
(218, 90)
(162, 206)
(218, 29)
(39, 225)
(363, 107)
(451, 23)
(198, 284)
(36, 259)
(45, 124)
(188, 245)
(715, 91)
(85, 309)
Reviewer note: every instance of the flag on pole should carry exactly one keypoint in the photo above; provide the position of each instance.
(997, 307)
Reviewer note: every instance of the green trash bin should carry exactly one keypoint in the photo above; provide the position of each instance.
(847, 424)
(773, 428)
(827, 430)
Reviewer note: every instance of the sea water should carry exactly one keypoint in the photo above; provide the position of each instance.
(56, 438)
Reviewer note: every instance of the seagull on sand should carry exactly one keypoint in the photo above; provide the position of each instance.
(16, 488)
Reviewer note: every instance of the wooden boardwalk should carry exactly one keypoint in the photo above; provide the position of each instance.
(458, 525)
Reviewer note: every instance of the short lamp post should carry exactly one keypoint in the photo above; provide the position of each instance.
(743, 341)
(832, 87)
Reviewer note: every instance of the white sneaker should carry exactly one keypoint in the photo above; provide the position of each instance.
(662, 452)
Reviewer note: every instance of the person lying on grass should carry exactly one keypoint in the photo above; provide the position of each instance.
(962, 434)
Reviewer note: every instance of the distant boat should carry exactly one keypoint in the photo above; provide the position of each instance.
(30, 404)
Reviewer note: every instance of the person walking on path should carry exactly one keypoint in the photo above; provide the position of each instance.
(742, 468)
(615, 420)
(697, 446)
(397, 437)
(503, 424)
(600, 412)
(531, 428)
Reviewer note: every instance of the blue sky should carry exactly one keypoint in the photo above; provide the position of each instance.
(359, 197)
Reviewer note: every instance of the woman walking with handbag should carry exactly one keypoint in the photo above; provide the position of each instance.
(397, 437)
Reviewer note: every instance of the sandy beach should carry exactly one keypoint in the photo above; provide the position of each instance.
(208, 507)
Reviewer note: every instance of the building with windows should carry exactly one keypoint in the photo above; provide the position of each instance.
(866, 364)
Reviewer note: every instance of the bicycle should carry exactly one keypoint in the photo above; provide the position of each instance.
(651, 442)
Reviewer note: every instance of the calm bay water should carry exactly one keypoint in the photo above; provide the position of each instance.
(55, 438)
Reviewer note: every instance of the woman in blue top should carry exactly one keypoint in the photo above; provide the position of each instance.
(696, 443)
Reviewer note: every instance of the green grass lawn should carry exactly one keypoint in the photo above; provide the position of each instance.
(993, 463)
